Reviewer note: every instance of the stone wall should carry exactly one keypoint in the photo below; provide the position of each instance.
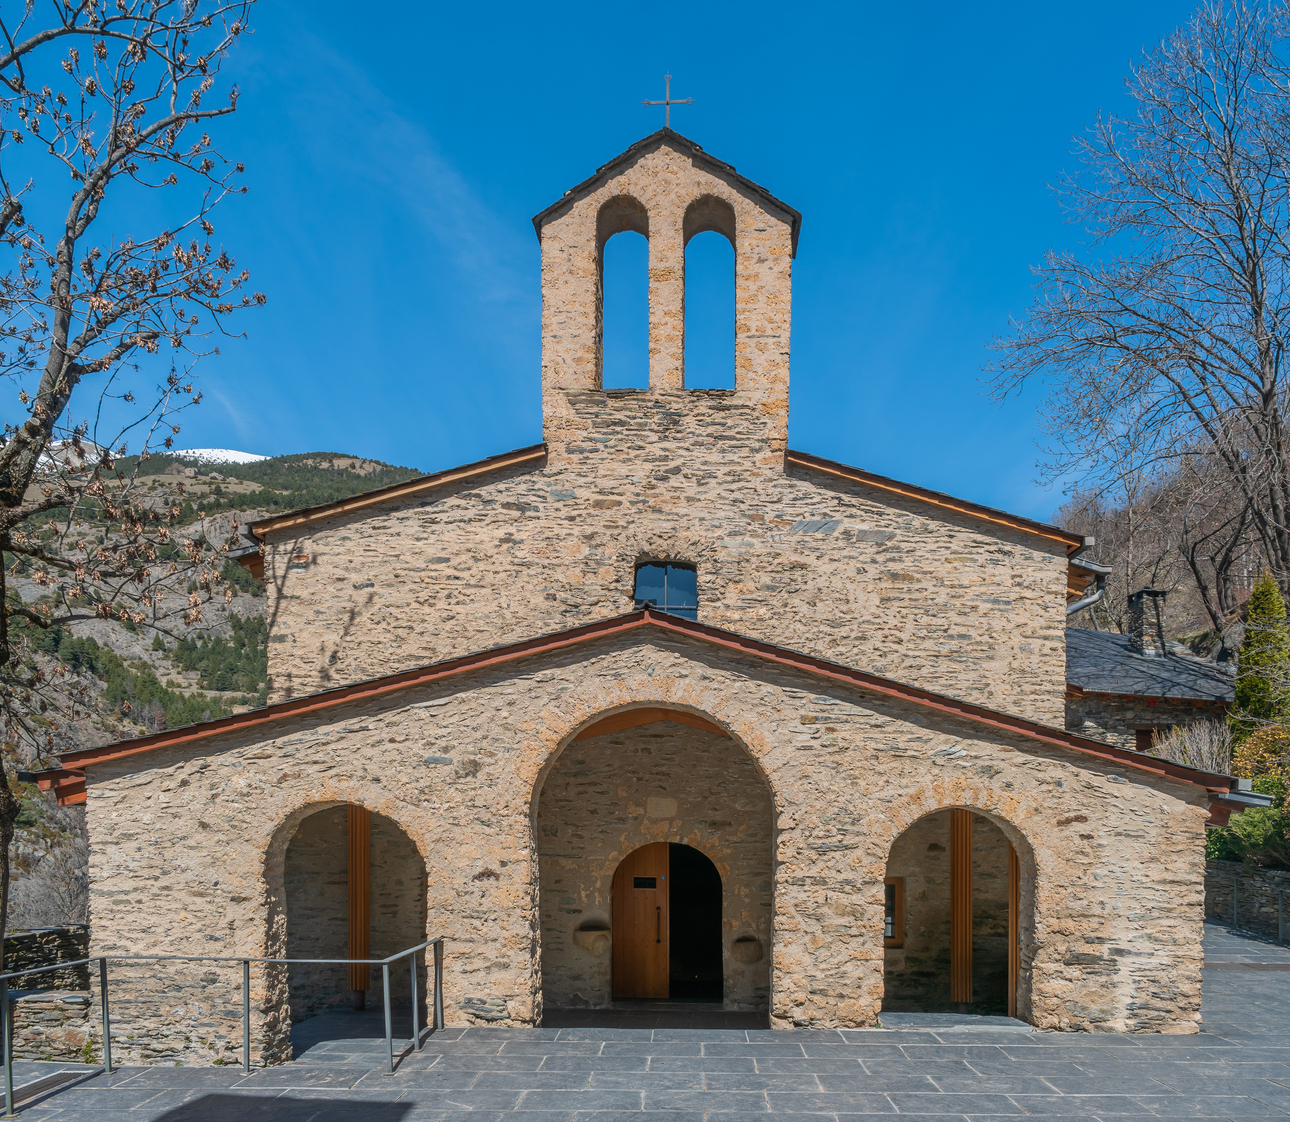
(316, 882)
(50, 1011)
(917, 975)
(46, 946)
(893, 586)
(664, 782)
(1115, 719)
(55, 1025)
(188, 846)
(1256, 902)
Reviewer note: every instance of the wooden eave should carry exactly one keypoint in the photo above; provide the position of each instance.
(521, 457)
(71, 773)
(1074, 693)
(805, 460)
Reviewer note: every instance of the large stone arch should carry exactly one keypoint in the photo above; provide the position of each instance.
(594, 802)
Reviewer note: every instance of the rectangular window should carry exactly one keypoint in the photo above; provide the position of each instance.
(669, 588)
(893, 934)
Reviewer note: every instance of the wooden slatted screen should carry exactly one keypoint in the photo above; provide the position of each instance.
(360, 894)
(961, 906)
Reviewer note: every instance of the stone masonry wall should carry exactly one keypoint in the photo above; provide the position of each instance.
(55, 1025)
(664, 782)
(1260, 903)
(917, 975)
(1116, 719)
(46, 946)
(896, 587)
(188, 846)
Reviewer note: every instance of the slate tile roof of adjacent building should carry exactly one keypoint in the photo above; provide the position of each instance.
(1103, 662)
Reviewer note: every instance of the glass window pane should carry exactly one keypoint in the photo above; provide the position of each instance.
(682, 588)
(649, 584)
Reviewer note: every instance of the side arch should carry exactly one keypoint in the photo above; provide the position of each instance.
(307, 880)
(960, 896)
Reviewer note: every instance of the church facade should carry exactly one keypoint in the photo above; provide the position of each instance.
(660, 707)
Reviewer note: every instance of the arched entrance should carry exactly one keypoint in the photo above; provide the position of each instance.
(667, 925)
(355, 887)
(671, 790)
(954, 918)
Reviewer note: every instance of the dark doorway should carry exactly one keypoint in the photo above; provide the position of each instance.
(694, 926)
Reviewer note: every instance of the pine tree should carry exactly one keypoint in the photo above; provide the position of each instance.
(1263, 665)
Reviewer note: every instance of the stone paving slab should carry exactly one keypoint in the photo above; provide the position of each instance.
(1237, 1068)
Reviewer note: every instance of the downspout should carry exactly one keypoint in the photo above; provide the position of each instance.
(1092, 598)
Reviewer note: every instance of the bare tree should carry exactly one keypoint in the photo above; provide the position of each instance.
(1167, 333)
(1206, 745)
(105, 112)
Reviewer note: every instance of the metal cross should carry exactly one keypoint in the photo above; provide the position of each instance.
(667, 101)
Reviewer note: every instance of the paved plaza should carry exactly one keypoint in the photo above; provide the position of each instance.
(1237, 1068)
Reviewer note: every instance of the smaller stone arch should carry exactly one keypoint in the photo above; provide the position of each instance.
(307, 878)
(926, 935)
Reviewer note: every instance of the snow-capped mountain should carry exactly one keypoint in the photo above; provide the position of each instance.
(214, 455)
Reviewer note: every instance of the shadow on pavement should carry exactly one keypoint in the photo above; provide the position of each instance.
(232, 1108)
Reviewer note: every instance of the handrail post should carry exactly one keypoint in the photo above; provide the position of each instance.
(246, 1016)
(1236, 911)
(6, 1026)
(416, 1004)
(389, 1023)
(107, 1020)
(438, 986)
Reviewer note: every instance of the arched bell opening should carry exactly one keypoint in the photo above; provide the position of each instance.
(959, 895)
(708, 231)
(622, 294)
(355, 887)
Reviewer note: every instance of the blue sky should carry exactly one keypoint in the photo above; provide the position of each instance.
(395, 162)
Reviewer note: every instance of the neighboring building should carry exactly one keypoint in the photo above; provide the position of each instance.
(1125, 688)
(657, 707)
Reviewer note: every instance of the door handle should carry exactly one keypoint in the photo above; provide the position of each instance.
(658, 934)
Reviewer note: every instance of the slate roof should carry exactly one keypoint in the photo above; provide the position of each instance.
(1103, 662)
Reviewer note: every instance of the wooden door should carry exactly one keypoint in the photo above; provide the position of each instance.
(640, 923)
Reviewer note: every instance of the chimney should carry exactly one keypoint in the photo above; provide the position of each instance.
(1147, 622)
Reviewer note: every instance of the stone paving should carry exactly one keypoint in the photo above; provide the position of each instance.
(1237, 1068)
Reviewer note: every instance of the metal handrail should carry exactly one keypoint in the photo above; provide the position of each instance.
(6, 1025)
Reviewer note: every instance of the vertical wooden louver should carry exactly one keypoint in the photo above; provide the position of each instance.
(360, 892)
(961, 906)
(1014, 929)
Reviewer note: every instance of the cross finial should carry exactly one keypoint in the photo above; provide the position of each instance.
(667, 101)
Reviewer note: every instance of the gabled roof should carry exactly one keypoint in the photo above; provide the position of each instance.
(533, 455)
(520, 457)
(1104, 662)
(1070, 540)
(69, 783)
(681, 144)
